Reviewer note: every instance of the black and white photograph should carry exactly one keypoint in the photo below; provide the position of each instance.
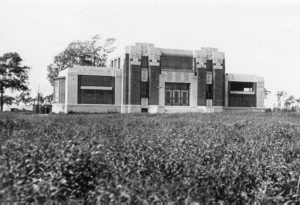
(165, 102)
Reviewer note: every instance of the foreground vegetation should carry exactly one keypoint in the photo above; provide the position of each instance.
(138, 158)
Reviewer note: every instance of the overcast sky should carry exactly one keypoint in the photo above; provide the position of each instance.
(258, 37)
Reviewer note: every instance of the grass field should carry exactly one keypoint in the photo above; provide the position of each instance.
(138, 158)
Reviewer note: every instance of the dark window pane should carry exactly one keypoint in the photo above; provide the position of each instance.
(241, 86)
(90, 80)
(144, 62)
(144, 90)
(209, 65)
(96, 97)
(179, 62)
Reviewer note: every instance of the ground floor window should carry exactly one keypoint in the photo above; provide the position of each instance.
(96, 97)
(94, 89)
(177, 94)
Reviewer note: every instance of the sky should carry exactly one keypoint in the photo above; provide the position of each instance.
(258, 36)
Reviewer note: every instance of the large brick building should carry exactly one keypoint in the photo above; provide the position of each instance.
(157, 80)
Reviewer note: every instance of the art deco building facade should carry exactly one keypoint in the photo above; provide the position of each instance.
(157, 80)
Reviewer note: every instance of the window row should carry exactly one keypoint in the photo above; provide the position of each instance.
(177, 62)
(93, 80)
(95, 97)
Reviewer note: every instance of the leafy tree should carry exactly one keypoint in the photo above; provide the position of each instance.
(23, 97)
(48, 99)
(88, 53)
(12, 74)
(266, 93)
(280, 95)
(289, 101)
(8, 100)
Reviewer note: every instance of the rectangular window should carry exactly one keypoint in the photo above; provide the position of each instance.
(93, 80)
(208, 78)
(242, 86)
(177, 62)
(177, 94)
(168, 97)
(209, 91)
(95, 89)
(209, 65)
(144, 90)
(144, 75)
(176, 97)
(119, 63)
(144, 62)
(184, 97)
(96, 97)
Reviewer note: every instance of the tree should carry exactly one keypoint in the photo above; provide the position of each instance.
(289, 102)
(12, 74)
(88, 53)
(48, 99)
(266, 93)
(298, 101)
(23, 97)
(280, 95)
(8, 100)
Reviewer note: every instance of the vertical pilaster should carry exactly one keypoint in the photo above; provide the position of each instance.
(218, 79)
(118, 88)
(154, 72)
(126, 79)
(201, 87)
(135, 85)
(218, 87)
(193, 92)
(161, 90)
(72, 87)
(226, 92)
(260, 93)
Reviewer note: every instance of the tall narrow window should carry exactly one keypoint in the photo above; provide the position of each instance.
(144, 90)
(209, 91)
(176, 97)
(184, 97)
(144, 62)
(168, 97)
(209, 65)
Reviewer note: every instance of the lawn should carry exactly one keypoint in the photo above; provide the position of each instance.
(143, 158)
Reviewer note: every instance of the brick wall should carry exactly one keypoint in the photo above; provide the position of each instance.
(239, 100)
(201, 99)
(218, 87)
(135, 87)
(154, 72)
